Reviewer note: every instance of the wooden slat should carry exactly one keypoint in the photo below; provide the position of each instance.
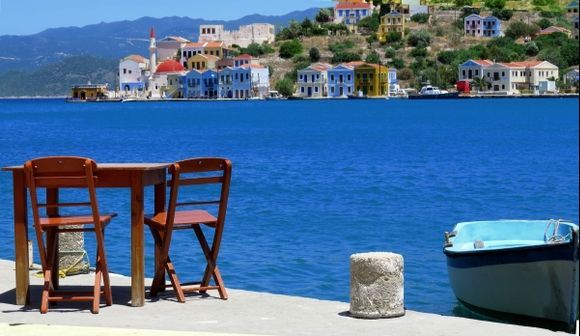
(198, 180)
(198, 203)
(58, 205)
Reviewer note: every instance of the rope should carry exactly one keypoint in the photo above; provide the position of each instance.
(74, 268)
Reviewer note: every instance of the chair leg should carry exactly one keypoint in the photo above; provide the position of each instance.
(174, 280)
(158, 283)
(97, 287)
(211, 269)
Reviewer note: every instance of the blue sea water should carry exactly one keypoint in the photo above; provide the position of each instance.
(316, 181)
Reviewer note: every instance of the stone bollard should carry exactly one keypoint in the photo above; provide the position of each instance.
(72, 255)
(376, 285)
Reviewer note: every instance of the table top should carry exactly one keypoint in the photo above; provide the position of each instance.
(112, 166)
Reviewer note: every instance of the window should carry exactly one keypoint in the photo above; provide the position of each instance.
(124, 71)
(130, 72)
(477, 72)
(332, 77)
(348, 77)
(503, 73)
(332, 89)
(302, 89)
(316, 89)
(348, 89)
(503, 87)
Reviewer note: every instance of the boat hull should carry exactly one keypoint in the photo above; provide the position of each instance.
(537, 281)
(451, 95)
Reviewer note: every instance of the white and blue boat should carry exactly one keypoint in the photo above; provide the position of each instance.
(523, 268)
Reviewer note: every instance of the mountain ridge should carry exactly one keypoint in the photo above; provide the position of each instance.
(114, 40)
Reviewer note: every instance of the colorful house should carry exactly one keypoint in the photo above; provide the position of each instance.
(235, 83)
(371, 79)
(158, 84)
(133, 74)
(476, 25)
(202, 62)
(244, 59)
(215, 48)
(224, 63)
(391, 22)
(351, 12)
(341, 81)
(200, 84)
(312, 81)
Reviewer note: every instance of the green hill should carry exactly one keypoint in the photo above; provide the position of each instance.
(56, 79)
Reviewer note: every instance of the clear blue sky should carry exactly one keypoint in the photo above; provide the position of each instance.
(24, 17)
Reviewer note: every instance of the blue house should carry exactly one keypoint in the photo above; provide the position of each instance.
(197, 84)
(476, 25)
(491, 27)
(235, 82)
(341, 81)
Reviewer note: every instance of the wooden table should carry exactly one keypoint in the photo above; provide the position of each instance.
(110, 175)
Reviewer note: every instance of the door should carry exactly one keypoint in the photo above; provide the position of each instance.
(341, 91)
(309, 92)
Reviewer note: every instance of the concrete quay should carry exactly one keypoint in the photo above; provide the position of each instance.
(244, 313)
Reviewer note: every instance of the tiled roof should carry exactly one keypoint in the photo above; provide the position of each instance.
(320, 66)
(136, 58)
(524, 64)
(253, 66)
(169, 66)
(350, 5)
(554, 29)
(195, 45)
(244, 56)
(214, 44)
(483, 62)
(176, 39)
(354, 63)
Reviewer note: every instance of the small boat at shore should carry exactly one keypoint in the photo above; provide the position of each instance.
(516, 267)
(433, 92)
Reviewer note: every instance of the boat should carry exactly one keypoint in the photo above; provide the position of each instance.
(274, 95)
(433, 92)
(359, 95)
(517, 268)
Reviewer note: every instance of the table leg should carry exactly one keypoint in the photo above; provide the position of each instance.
(159, 207)
(21, 238)
(137, 241)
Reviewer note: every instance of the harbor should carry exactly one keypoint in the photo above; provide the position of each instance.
(244, 313)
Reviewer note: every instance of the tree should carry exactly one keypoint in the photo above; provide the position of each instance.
(324, 15)
(393, 37)
(285, 87)
(532, 48)
(503, 14)
(480, 83)
(314, 54)
(495, 4)
(419, 38)
(462, 3)
(544, 23)
(520, 29)
(396, 63)
(419, 52)
(420, 17)
(290, 48)
(345, 56)
(373, 57)
(390, 52)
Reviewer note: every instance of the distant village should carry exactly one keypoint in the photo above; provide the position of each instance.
(208, 69)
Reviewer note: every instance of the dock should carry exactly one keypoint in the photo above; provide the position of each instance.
(244, 313)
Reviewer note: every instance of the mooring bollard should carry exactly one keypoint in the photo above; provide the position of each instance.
(376, 285)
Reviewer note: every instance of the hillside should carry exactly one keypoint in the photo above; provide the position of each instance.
(112, 40)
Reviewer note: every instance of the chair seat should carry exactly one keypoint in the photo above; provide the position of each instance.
(184, 219)
(74, 220)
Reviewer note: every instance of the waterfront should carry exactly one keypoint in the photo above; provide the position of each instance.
(317, 181)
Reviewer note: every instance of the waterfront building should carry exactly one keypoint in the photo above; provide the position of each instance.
(260, 79)
(393, 81)
(352, 12)
(243, 37)
(159, 86)
(371, 79)
(202, 62)
(235, 83)
(498, 77)
(200, 84)
(89, 91)
(476, 25)
(133, 74)
(472, 69)
(391, 22)
(530, 75)
(572, 76)
(168, 47)
(555, 29)
(312, 81)
(341, 81)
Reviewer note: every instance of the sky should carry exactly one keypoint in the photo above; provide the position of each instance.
(25, 17)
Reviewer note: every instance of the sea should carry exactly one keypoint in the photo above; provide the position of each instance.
(317, 181)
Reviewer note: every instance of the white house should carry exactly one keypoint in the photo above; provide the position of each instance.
(260, 76)
(133, 74)
(313, 80)
(498, 77)
(472, 69)
(531, 75)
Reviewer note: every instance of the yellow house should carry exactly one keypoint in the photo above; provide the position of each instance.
(215, 48)
(392, 22)
(371, 79)
(202, 62)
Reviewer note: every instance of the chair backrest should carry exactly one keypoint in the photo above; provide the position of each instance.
(57, 173)
(198, 172)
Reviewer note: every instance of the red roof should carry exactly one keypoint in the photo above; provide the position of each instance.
(169, 66)
(350, 5)
(526, 64)
(244, 56)
(484, 62)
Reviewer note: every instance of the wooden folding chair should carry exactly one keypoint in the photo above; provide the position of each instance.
(52, 174)
(192, 172)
